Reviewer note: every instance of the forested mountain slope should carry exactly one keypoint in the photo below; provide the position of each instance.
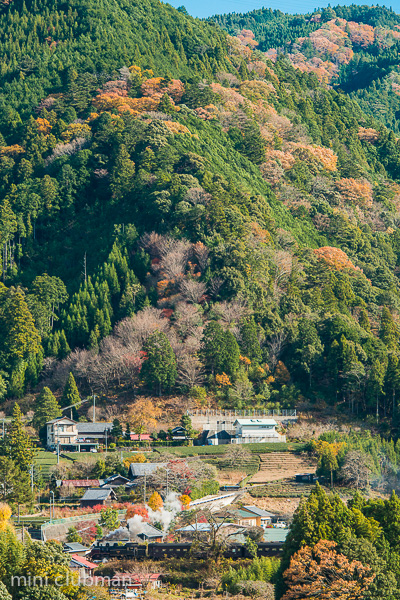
(231, 218)
(354, 48)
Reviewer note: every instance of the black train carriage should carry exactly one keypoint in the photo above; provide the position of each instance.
(158, 551)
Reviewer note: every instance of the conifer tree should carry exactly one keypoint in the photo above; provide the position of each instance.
(389, 332)
(116, 430)
(250, 345)
(46, 408)
(20, 448)
(71, 394)
(159, 367)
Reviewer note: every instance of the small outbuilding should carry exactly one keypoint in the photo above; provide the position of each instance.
(93, 497)
(75, 548)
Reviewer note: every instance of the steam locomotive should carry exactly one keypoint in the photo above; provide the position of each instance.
(159, 551)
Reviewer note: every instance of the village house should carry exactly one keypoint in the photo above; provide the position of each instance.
(137, 470)
(210, 437)
(149, 533)
(256, 431)
(144, 437)
(66, 487)
(85, 567)
(66, 434)
(265, 517)
(115, 481)
(93, 497)
(75, 548)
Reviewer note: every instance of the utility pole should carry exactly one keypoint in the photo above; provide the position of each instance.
(51, 492)
(58, 445)
(144, 490)
(167, 485)
(106, 440)
(94, 408)
(32, 477)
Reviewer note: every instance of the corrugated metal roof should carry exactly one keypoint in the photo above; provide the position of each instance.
(101, 494)
(255, 422)
(75, 547)
(258, 511)
(93, 427)
(141, 469)
(88, 483)
(149, 531)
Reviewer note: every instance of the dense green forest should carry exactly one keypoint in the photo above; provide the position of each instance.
(354, 48)
(182, 214)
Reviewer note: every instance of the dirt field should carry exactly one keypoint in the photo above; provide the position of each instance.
(230, 477)
(283, 506)
(281, 465)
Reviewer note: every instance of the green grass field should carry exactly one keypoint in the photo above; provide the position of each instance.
(46, 460)
(214, 450)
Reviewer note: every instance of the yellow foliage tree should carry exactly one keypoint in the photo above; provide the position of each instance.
(5, 514)
(155, 501)
(185, 501)
(143, 416)
(222, 380)
(136, 458)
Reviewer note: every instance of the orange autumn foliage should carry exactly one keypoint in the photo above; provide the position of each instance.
(175, 127)
(158, 86)
(368, 134)
(137, 509)
(336, 258)
(282, 374)
(286, 159)
(185, 500)
(222, 380)
(43, 125)
(246, 36)
(322, 572)
(355, 191)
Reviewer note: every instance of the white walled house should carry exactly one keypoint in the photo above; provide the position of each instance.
(67, 434)
(62, 431)
(256, 431)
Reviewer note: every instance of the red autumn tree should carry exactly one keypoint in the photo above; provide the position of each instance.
(137, 509)
(322, 572)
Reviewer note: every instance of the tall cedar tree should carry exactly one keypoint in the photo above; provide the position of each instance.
(20, 447)
(46, 408)
(70, 393)
(249, 343)
(159, 366)
(221, 350)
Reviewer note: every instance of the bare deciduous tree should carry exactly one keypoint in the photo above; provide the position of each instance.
(275, 346)
(190, 371)
(356, 469)
(188, 319)
(192, 291)
(201, 254)
(236, 454)
(214, 286)
(231, 313)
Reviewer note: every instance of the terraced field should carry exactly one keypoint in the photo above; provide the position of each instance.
(282, 465)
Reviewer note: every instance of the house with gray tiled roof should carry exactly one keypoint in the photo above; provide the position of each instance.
(97, 496)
